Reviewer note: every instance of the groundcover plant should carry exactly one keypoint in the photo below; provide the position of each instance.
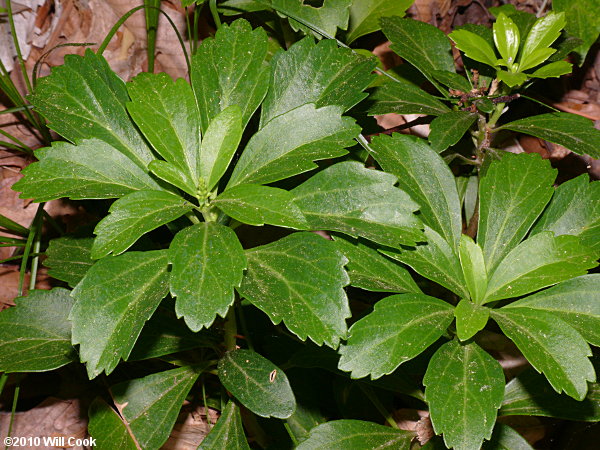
(204, 280)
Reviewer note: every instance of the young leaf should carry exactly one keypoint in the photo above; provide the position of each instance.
(174, 175)
(85, 99)
(69, 258)
(474, 46)
(299, 279)
(473, 265)
(258, 205)
(470, 319)
(107, 427)
(423, 45)
(424, 175)
(505, 438)
(447, 129)
(435, 260)
(574, 209)
(150, 405)
(356, 434)
(328, 18)
(529, 394)
(365, 15)
(511, 79)
(453, 80)
(257, 383)
(540, 261)
(96, 170)
(570, 130)
(113, 301)
(35, 335)
(230, 69)
(537, 58)
(282, 149)
(403, 97)
(399, 328)
(512, 194)
(506, 37)
(541, 36)
(349, 198)
(323, 74)
(370, 270)
(464, 388)
(582, 20)
(551, 346)
(133, 216)
(575, 301)
(554, 69)
(167, 114)
(208, 263)
(228, 432)
(219, 144)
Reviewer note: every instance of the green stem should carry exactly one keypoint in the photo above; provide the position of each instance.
(230, 329)
(292, 436)
(215, 13)
(13, 31)
(384, 412)
(35, 260)
(151, 11)
(13, 412)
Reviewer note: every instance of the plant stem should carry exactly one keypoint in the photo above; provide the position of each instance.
(151, 11)
(13, 411)
(230, 329)
(384, 412)
(215, 13)
(292, 436)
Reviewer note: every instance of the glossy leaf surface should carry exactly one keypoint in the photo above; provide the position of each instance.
(69, 258)
(113, 301)
(333, 14)
(473, 266)
(403, 97)
(257, 383)
(299, 279)
(447, 129)
(399, 328)
(107, 428)
(365, 15)
(228, 431)
(470, 319)
(474, 46)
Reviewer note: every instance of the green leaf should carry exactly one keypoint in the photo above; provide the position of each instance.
(540, 261)
(399, 328)
(164, 334)
(258, 205)
(228, 432)
(583, 21)
(512, 194)
(69, 258)
(230, 69)
(35, 335)
(554, 69)
(349, 198)
(570, 130)
(282, 148)
(453, 80)
(85, 99)
(208, 262)
(133, 216)
(365, 15)
(447, 129)
(167, 114)
(423, 45)
(464, 388)
(529, 394)
(95, 170)
(299, 279)
(107, 428)
(323, 74)
(219, 144)
(257, 383)
(542, 35)
(113, 301)
(575, 301)
(474, 46)
(551, 346)
(328, 18)
(505, 438)
(470, 319)
(173, 175)
(435, 260)
(354, 435)
(473, 266)
(370, 270)
(512, 79)
(150, 405)
(574, 209)
(424, 175)
(506, 37)
(403, 97)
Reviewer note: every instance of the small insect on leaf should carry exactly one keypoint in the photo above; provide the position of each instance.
(272, 376)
